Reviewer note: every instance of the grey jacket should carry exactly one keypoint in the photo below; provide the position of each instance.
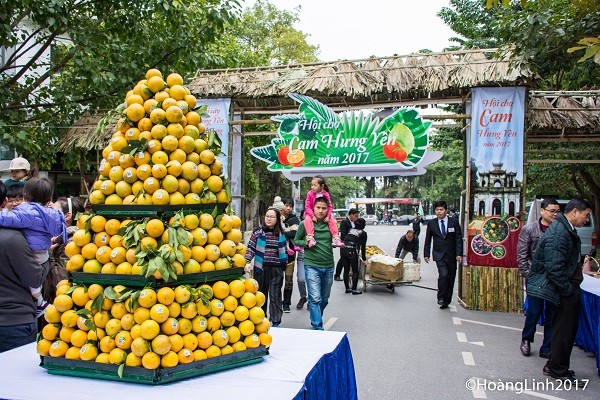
(528, 242)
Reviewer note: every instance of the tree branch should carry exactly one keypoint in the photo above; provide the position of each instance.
(32, 61)
(19, 51)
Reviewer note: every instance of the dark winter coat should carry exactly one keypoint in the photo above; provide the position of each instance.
(554, 268)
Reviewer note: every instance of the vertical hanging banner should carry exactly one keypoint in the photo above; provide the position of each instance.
(496, 168)
(218, 121)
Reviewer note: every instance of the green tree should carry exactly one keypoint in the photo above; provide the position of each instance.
(67, 57)
(473, 22)
(263, 35)
(444, 179)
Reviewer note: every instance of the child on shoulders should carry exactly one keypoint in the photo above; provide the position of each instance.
(318, 188)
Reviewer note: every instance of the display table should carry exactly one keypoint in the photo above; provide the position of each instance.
(302, 364)
(589, 318)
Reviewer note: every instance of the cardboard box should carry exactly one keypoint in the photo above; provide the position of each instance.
(412, 272)
(386, 269)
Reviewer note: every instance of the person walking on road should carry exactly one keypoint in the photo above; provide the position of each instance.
(345, 226)
(446, 235)
(555, 276)
(267, 246)
(318, 263)
(528, 242)
(355, 248)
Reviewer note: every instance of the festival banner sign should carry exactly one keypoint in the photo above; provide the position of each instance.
(218, 121)
(319, 141)
(496, 162)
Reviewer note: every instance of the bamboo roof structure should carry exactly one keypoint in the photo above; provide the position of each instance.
(365, 82)
(396, 81)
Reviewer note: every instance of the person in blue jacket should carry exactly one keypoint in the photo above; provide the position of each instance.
(38, 223)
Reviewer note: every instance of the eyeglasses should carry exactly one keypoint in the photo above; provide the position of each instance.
(270, 216)
(14, 200)
(551, 211)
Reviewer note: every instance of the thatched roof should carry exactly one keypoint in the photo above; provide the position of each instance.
(395, 81)
(82, 134)
(564, 114)
(363, 82)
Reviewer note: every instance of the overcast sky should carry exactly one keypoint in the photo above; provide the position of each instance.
(353, 29)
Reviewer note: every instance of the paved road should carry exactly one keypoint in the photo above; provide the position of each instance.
(404, 346)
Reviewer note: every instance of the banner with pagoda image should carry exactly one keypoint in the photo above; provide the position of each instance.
(496, 173)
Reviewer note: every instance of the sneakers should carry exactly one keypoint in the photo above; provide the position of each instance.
(41, 307)
(348, 290)
(301, 303)
(355, 292)
(337, 278)
(337, 242)
(286, 308)
(310, 242)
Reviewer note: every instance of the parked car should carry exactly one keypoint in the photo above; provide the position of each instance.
(403, 220)
(370, 219)
(428, 217)
(339, 214)
(587, 233)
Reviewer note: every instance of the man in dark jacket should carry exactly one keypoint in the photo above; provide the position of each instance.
(19, 270)
(408, 243)
(291, 222)
(555, 276)
(345, 226)
(528, 242)
(446, 235)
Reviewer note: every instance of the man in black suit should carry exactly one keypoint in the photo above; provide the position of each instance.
(447, 250)
(345, 226)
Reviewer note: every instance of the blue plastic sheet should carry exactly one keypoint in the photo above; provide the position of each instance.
(589, 325)
(332, 377)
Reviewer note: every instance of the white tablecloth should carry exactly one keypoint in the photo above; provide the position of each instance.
(280, 375)
(591, 285)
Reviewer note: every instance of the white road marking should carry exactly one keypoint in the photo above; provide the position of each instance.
(479, 394)
(456, 321)
(452, 308)
(494, 325)
(329, 323)
(468, 358)
(462, 338)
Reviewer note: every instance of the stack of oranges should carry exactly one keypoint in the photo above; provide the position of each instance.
(160, 153)
(154, 328)
(212, 244)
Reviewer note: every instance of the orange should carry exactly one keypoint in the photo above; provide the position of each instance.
(135, 112)
(153, 72)
(155, 228)
(58, 349)
(147, 297)
(173, 114)
(151, 360)
(204, 340)
(161, 344)
(149, 329)
(174, 79)
(220, 290)
(251, 285)
(252, 341)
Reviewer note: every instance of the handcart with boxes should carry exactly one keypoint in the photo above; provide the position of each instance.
(381, 269)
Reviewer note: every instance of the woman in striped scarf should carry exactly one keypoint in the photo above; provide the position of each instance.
(267, 246)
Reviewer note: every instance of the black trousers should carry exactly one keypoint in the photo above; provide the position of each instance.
(446, 276)
(339, 266)
(288, 285)
(564, 330)
(349, 259)
(270, 282)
